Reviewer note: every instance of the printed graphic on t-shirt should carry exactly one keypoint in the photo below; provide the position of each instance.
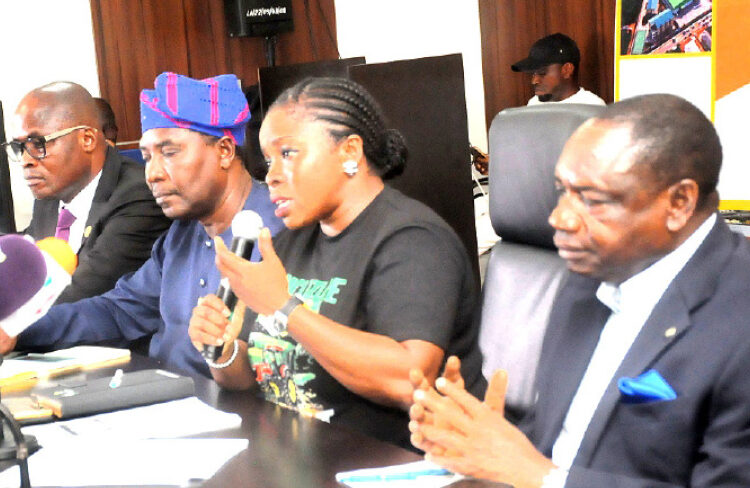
(283, 368)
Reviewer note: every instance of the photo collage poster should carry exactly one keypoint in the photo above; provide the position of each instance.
(696, 49)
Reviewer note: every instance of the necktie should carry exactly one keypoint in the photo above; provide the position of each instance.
(64, 220)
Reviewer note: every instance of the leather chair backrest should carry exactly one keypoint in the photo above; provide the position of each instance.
(524, 271)
(134, 154)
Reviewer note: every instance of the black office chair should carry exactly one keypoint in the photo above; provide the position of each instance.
(134, 154)
(524, 271)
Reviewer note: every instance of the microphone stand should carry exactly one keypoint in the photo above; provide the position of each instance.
(269, 46)
(16, 448)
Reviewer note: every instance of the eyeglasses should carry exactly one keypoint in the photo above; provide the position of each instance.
(36, 146)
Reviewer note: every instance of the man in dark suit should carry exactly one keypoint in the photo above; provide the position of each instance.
(71, 169)
(192, 134)
(643, 379)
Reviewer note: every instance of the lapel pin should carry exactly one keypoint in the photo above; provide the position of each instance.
(87, 231)
(670, 332)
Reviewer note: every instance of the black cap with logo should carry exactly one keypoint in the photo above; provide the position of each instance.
(553, 49)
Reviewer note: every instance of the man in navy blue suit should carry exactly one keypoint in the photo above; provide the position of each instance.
(643, 379)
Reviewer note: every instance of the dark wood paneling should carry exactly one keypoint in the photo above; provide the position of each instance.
(507, 29)
(510, 27)
(592, 24)
(138, 39)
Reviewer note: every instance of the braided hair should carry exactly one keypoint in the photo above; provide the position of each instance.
(348, 109)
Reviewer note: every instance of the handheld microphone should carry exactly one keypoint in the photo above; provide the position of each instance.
(31, 279)
(246, 227)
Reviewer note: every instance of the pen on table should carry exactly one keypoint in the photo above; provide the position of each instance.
(33, 355)
(116, 379)
(410, 475)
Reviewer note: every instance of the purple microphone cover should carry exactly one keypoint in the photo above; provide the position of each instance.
(22, 273)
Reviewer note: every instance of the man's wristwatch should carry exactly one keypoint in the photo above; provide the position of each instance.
(281, 316)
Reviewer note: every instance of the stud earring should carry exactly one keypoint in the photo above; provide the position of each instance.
(350, 167)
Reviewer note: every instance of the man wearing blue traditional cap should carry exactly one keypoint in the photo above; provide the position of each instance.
(192, 133)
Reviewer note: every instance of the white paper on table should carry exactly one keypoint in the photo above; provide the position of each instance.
(417, 482)
(43, 365)
(178, 418)
(87, 462)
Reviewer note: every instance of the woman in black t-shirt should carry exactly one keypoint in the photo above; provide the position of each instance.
(365, 284)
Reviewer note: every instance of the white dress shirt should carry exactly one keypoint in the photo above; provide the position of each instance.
(581, 96)
(80, 206)
(631, 303)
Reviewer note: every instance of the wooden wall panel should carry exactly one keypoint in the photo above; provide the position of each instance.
(592, 24)
(510, 27)
(138, 39)
(207, 57)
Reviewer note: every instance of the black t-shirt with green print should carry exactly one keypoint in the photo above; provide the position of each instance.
(397, 270)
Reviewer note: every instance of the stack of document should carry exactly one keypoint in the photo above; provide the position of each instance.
(178, 418)
(170, 462)
(103, 449)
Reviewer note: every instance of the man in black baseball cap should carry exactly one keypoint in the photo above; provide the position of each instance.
(553, 65)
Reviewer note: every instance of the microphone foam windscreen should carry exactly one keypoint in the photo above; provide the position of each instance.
(22, 273)
(61, 252)
(247, 224)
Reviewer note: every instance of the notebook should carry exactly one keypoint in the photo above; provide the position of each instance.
(22, 371)
(26, 410)
(74, 397)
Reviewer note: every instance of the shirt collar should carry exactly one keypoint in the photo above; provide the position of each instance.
(646, 288)
(80, 205)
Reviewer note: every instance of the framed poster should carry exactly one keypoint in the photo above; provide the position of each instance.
(696, 49)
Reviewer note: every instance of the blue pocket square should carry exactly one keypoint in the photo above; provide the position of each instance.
(648, 387)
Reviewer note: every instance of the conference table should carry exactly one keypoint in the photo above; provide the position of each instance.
(285, 449)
